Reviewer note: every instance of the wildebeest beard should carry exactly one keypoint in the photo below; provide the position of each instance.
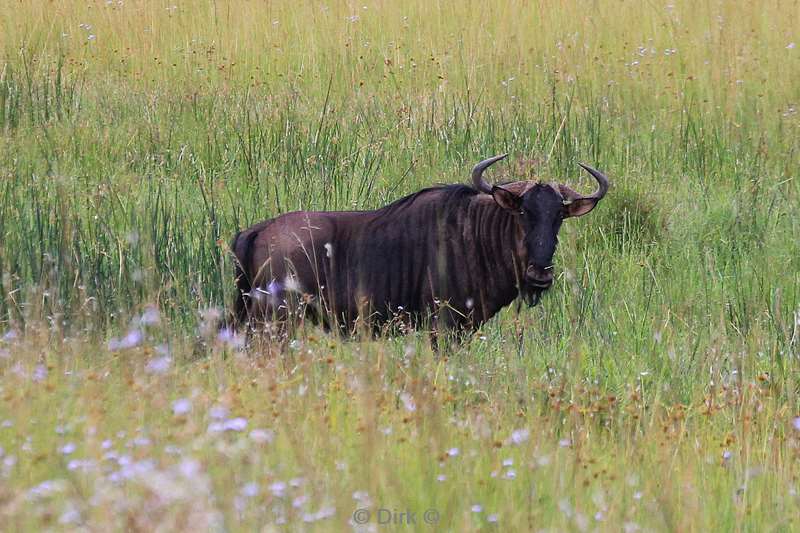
(530, 294)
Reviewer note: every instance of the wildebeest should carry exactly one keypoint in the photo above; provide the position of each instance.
(452, 254)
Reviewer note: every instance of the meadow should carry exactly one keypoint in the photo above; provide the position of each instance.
(656, 386)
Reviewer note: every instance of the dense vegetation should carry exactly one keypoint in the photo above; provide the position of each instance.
(656, 384)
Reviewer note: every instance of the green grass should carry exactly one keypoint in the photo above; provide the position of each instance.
(657, 382)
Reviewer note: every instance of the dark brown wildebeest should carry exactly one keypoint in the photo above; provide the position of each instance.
(454, 255)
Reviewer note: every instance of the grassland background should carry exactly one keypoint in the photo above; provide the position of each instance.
(657, 385)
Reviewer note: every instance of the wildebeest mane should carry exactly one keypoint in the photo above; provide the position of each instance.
(451, 195)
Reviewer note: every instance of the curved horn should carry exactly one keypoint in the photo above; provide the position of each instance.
(602, 181)
(477, 173)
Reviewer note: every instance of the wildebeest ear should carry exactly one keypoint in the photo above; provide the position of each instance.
(506, 199)
(579, 207)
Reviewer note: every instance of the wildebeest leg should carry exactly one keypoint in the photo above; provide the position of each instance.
(434, 338)
(438, 325)
(454, 338)
(287, 317)
(449, 329)
(268, 322)
(239, 315)
(520, 329)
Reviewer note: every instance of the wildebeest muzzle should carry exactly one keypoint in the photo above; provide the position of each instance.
(539, 277)
(537, 280)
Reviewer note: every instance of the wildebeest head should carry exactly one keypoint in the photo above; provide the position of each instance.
(542, 207)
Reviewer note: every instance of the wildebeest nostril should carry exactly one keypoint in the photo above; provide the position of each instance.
(542, 276)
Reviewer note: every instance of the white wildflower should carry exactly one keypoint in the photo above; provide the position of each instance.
(229, 337)
(235, 424)
(150, 317)
(189, 468)
(131, 339)
(299, 501)
(518, 436)
(218, 412)
(158, 365)
(408, 402)
(39, 373)
(251, 490)
(68, 448)
(262, 436)
(70, 516)
(278, 489)
(291, 284)
(727, 455)
(181, 407)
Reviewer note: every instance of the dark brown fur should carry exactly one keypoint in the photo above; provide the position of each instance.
(448, 254)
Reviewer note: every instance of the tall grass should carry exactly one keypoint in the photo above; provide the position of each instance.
(656, 382)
